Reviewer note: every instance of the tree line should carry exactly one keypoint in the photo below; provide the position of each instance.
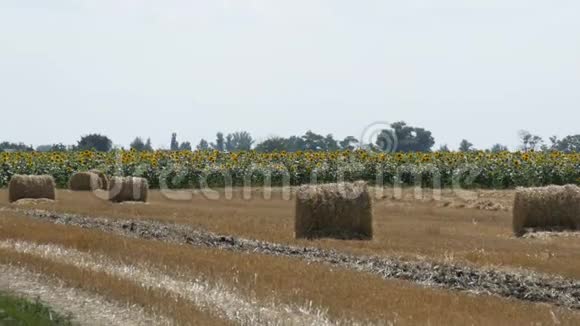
(408, 139)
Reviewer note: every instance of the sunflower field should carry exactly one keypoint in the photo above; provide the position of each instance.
(187, 169)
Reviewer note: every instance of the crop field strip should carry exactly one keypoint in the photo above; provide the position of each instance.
(348, 295)
(187, 169)
(403, 228)
(523, 285)
(85, 307)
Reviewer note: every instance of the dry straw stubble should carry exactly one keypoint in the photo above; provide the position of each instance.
(552, 208)
(31, 187)
(338, 210)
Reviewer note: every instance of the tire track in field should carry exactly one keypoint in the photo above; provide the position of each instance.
(225, 302)
(84, 307)
(524, 285)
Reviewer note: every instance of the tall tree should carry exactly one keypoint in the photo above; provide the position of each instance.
(568, 144)
(444, 149)
(203, 145)
(348, 143)
(408, 139)
(219, 144)
(497, 148)
(174, 146)
(528, 141)
(16, 147)
(465, 146)
(314, 142)
(330, 144)
(95, 142)
(148, 146)
(138, 144)
(272, 144)
(185, 146)
(242, 141)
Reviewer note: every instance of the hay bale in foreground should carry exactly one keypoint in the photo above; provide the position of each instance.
(85, 181)
(103, 177)
(31, 187)
(553, 208)
(128, 189)
(338, 210)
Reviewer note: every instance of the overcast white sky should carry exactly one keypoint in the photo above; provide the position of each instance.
(474, 69)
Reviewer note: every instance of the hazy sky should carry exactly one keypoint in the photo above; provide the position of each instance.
(475, 69)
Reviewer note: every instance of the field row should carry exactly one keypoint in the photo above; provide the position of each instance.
(207, 285)
(198, 169)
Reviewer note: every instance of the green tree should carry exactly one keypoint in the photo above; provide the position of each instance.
(138, 144)
(444, 149)
(498, 148)
(15, 147)
(330, 144)
(466, 146)
(568, 144)
(185, 146)
(314, 142)
(408, 139)
(203, 145)
(273, 144)
(174, 146)
(148, 146)
(94, 142)
(528, 141)
(219, 144)
(348, 143)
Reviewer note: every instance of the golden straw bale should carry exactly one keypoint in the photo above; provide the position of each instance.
(547, 208)
(31, 187)
(85, 181)
(103, 177)
(128, 189)
(338, 210)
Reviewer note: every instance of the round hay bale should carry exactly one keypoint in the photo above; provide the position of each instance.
(123, 189)
(103, 177)
(85, 181)
(338, 210)
(31, 187)
(553, 208)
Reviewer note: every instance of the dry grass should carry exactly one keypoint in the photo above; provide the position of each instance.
(31, 187)
(155, 301)
(342, 211)
(401, 227)
(346, 294)
(547, 208)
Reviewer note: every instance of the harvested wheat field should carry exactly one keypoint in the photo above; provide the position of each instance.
(450, 261)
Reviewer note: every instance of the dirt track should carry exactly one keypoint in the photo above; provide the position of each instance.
(520, 285)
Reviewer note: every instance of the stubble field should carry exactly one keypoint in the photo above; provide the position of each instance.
(235, 261)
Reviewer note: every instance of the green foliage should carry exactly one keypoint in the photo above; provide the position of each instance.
(569, 144)
(203, 145)
(185, 146)
(465, 146)
(529, 142)
(174, 143)
(498, 148)
(14, 147)
(219, 144)
(94, 142)
(139, 145)
(16, 311)
(409, 139)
